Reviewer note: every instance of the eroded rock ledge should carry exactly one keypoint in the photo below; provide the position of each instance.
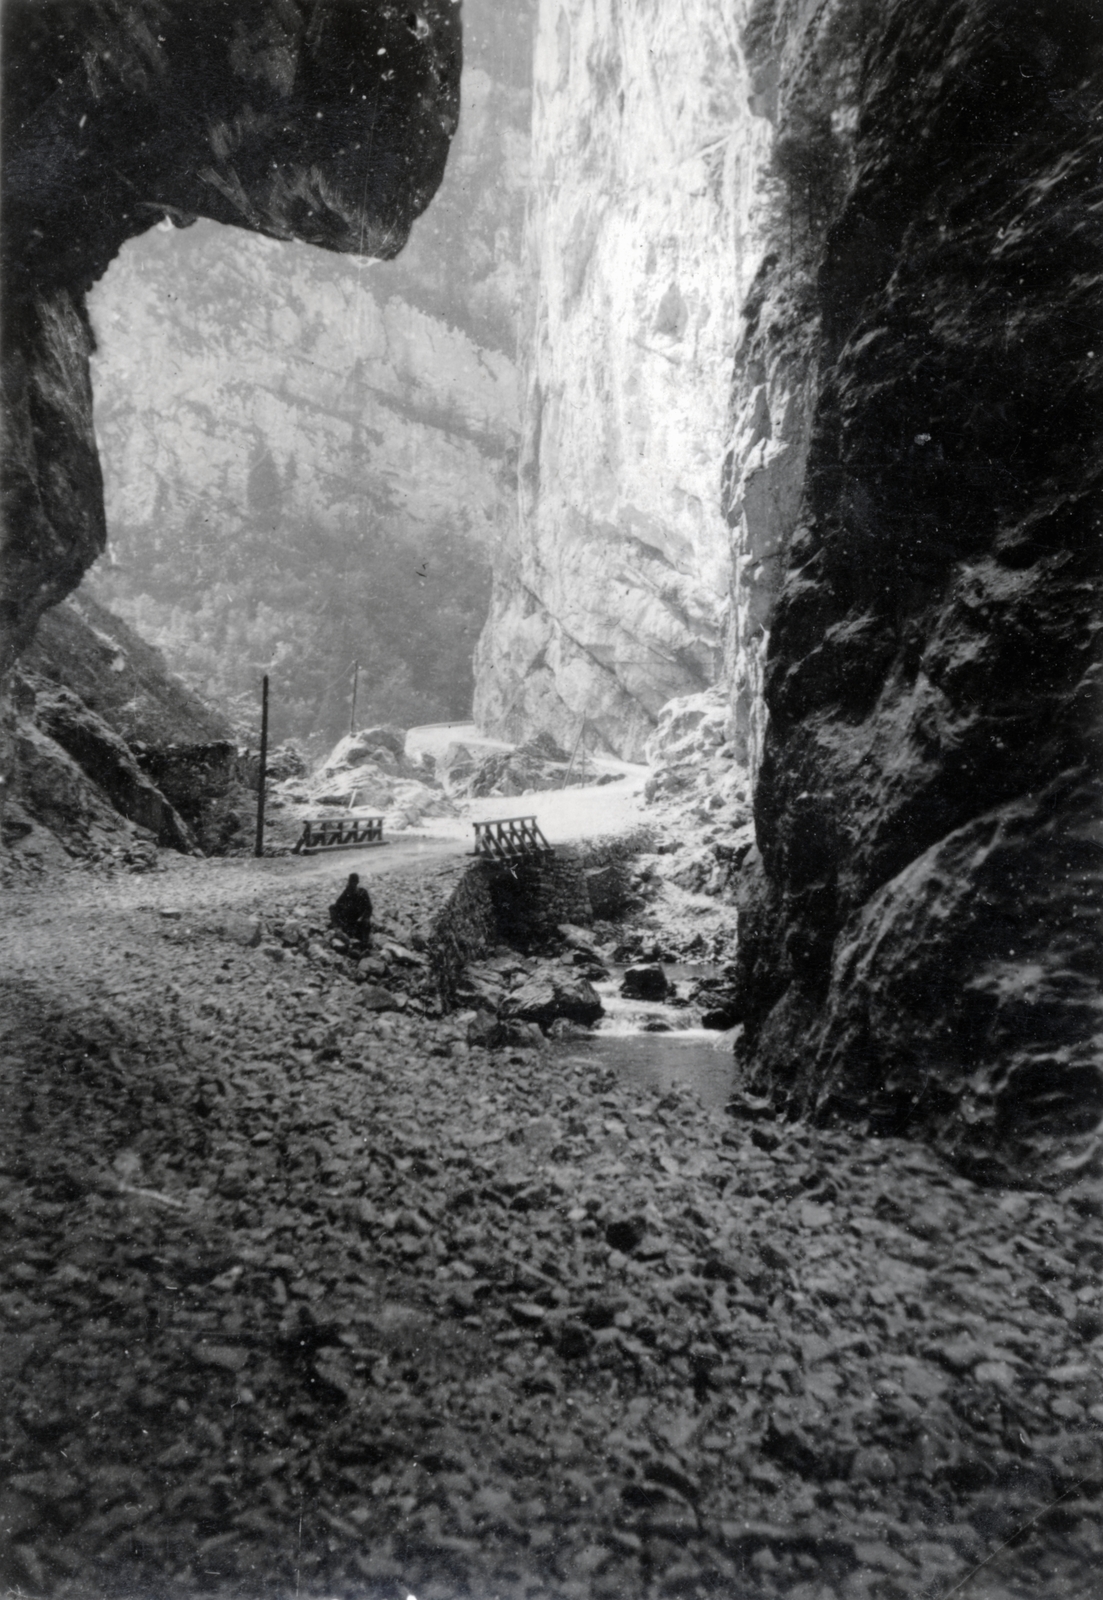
(309, 119)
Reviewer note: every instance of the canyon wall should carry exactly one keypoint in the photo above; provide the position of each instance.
(309, 460)
(920, 928)
(641, 241)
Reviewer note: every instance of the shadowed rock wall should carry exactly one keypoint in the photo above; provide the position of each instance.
(921, 932)
(310, 119)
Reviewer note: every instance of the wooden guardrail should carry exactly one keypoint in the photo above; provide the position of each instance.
(510, 837)
(338, 833)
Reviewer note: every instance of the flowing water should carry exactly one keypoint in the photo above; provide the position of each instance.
(656, 1044)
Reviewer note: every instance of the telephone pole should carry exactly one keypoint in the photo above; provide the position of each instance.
(355, 686)
(258, 849)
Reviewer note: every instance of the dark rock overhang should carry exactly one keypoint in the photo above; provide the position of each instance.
(322, 120)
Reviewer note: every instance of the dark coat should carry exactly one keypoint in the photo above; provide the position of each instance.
(351, 912)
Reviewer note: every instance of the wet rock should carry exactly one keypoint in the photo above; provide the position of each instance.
(648, 982)
(917, 934)
(553, 993)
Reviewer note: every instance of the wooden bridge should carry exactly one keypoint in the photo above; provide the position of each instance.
(338, 833)
(510, 837)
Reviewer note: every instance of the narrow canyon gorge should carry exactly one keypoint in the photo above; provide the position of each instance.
(692, 405)
(786, 390)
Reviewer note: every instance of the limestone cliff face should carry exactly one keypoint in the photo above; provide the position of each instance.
(311, 120)
(309, 460)
(299, 469)
(919, 939)
(641, 241)
(260, 381)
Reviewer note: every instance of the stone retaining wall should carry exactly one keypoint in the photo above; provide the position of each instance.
(519, 903)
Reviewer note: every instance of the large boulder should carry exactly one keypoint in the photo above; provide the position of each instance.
(646, 982)
(385, 744)
(551, 993)
(689, 728)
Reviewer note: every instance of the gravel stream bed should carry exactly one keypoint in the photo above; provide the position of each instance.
(298, 1298)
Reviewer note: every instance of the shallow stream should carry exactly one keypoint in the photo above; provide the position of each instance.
(657, 1044)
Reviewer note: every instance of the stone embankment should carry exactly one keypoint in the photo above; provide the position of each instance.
(301, 1293)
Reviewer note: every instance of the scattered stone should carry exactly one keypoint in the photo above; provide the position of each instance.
(231, 1358)
(873, 1465)
(381, 1247)
(626, 1234)
(243, 930)
(374, 998)
(564, 1028)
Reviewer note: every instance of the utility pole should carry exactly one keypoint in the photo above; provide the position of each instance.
(574, 752)
(258, 849)
(355, 686)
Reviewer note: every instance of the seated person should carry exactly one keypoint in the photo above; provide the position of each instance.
(351, 912)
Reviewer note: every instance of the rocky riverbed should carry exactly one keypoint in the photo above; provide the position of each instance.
(304, 1296)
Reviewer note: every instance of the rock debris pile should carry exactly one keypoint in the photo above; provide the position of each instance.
(299, 1293)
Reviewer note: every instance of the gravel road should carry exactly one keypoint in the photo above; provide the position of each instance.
(298, 1297)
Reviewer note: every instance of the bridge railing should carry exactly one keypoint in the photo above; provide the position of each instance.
(338, 833)
(510, 837)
